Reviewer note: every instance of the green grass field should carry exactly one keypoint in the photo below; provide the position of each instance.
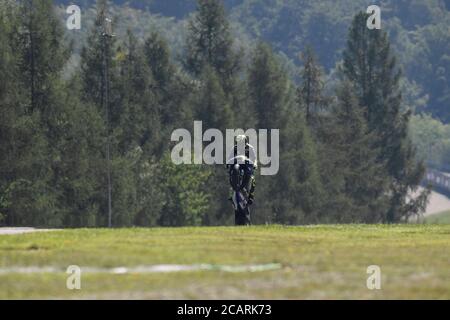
(442, 217)
(317, 262)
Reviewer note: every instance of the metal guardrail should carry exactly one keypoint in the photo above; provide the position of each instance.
(440, 181)
(438, 166)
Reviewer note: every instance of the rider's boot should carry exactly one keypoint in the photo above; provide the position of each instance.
(251, 195)
(249, 189)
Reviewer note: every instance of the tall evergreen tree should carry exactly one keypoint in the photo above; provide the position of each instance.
(294, 194)
(310, 92)
(68, 127)
(173, 89)
(139, 115)
(81, 158)
(139, 137)
(99, 53)
(210, 43)
(298, 188)
(20, 134)
(311, 85)
(158, 57)
(356, 160)
(370, 65)
(268, 88)
(213, 106)
(100, 58)
(42, 56)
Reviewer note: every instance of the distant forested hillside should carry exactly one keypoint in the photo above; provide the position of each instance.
(172, 8)
(419, 31)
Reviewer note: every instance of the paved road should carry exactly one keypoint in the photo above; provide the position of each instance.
(4, 231)
(438, 203)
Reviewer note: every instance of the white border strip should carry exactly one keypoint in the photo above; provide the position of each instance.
(160, 268)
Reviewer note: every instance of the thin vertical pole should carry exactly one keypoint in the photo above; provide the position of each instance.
(108, 157)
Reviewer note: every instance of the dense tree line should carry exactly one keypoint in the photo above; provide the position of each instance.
(345, 156)
(432, 139)
(418, 29)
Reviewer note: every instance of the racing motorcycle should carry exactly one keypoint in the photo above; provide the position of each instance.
(239, 197)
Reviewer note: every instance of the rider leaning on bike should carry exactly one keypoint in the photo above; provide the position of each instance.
(244, 154)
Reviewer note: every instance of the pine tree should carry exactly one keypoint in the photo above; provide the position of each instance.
(65, 171)
(20, 143)
(99, 53)
(140, 135)
(139, 116)
(267, 88)
(210, 43)
(173, 90)
(293, 195)
(100, 58)
(42, 56)
(213, 107)
(81, 151)
(298, 188)
(157, 54)
(356, 160)
(370, 65)
(310, 92)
